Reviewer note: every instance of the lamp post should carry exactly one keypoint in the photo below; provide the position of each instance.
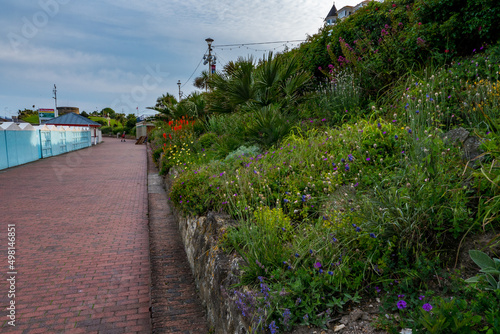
(180, 93)
(55, 99)
(209, 58)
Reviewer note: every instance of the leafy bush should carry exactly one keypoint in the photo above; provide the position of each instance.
(250, 151)
(106, 130)
(207, 139)
(490, 269)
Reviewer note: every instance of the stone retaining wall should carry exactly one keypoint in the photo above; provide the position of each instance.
(214, 271)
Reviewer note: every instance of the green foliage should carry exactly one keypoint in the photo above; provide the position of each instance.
(382, 41)
(106, 130)
(352, 183)
(243, 87)
(336, 101)
(207, 139)
(250, 151)
(449, 316)
(268, 125)
(108, 112)
(490, 269)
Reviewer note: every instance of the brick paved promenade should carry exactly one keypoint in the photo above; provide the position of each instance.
(82, 248)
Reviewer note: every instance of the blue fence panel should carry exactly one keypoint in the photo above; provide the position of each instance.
(71, 140)
(22, 146)
(46, 143)
(27, 146)
(56, 142)
(4, 161)
(62, 146)
(13, 159)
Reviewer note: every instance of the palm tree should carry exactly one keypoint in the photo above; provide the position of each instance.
(244, 86)
(165, 105)
(201, 82)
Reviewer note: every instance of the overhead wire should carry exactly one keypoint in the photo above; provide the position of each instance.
(193, 71)
(258, 43)
(226, 46)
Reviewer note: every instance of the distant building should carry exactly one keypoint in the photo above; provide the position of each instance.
(336, 15)
(143, 128)
(331, 18)
(66, 110)
(73, 119)
(362, 4)
(345, 12)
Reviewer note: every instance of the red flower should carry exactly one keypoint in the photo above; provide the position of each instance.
(164, 135)
(170, 135)
(446, 51)
(393, 5)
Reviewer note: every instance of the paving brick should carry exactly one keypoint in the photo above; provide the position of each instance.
(81, 237)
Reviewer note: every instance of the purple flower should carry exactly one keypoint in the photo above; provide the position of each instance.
(347, 167)
(317, 265)
(401, 304)
(367, 159)
(427, 307)
(409, 131)
(330, 273)
(421, 297)
(273, 327)
(358, 229)
(377, 289)
(396, 137)
(286, 317)
(373, 235)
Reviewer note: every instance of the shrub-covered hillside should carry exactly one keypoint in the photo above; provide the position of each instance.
(361, 166)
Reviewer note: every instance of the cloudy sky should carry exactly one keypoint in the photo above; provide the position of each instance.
(123, 54)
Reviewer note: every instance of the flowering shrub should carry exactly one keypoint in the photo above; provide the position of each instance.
(345, 195)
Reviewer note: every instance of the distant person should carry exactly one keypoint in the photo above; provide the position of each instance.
(123, 136)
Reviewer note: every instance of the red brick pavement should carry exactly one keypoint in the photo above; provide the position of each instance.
(82, 248)
(176, 307)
